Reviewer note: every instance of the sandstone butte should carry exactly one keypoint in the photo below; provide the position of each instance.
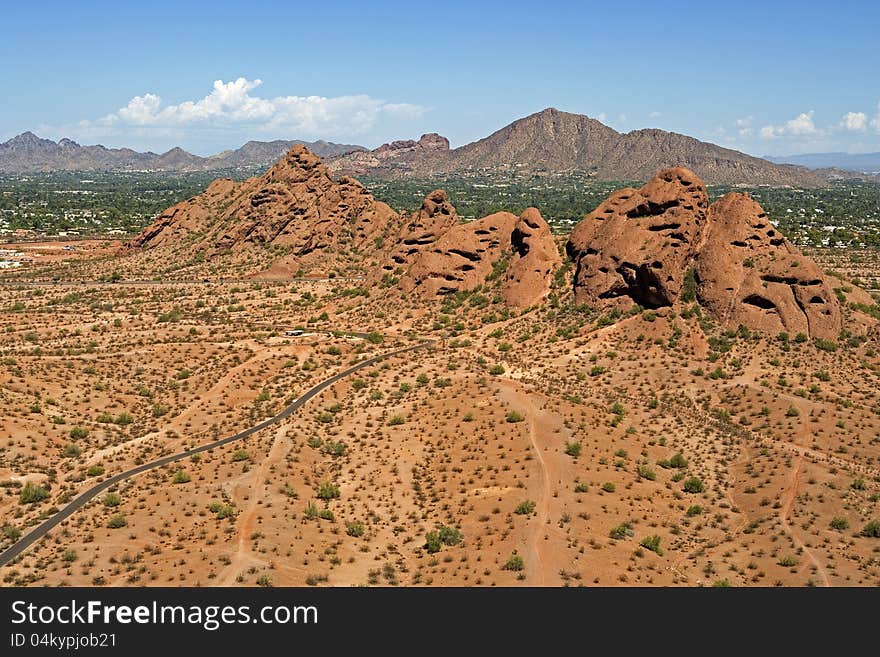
(646, 247)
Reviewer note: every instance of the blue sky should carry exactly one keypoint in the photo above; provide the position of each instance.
(763, 77)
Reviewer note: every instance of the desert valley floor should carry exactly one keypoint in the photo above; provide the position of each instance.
(550, 447)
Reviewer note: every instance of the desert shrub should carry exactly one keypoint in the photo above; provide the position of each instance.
(515, 563)
(497, 370)
(396, 420)
(514, 416)
(433, 544)
(694, 510)
(652, 543)
(78, 433)
(621, 531)
(71, 451)
(693, 485)
(117, 521)
(112, 499)
(240, 455)
(525, 508)
(450, 535)
(181, 477)
(788, 561)
(222, 510)
(609, 487)
(355, 528)
(32, 493)
(328, 491)
(573, 449)
(11, 533)
(872, 529)
(645, 472)
(95, 470)
(839, 523)
(581, 487)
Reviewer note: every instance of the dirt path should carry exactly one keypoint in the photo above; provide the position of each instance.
(254, 485)
(512, 393)
(788, 499)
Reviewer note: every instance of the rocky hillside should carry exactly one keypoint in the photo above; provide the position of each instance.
(28, 153)
(295, 208)
(658, 246)
(560, 142)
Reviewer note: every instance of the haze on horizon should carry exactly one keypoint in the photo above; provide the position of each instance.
(765, 79)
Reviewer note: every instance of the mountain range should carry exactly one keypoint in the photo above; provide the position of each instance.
(29, 153)
(547, 142)
(552, 141)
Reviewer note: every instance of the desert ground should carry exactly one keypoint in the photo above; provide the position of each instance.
(545, 446)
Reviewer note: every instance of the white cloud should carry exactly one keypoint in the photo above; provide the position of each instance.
(655, 115)
(232, 104)
(744, 126)
(875, 122)
(800, 126)
(854, 121)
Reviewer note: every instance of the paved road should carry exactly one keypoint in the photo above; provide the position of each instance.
(75, 505)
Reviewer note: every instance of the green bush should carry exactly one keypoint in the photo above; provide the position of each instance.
(608, 487)
(112, 499)
(497, 370)
(117, 521)
(693, 485)
(95, 470)
(433, 544)
(328, 491)
(621, 531)
(450, 535)
(525, 508)
(514, 416)
(694, 510)
(222, 510)
(788, 561)
(11, 533)
(872, 529)
(573, 449)
(78, 433)
(71, 451)
(240, 455)
(646, 473)
(396, 421)
(652, 543)
(355, 528)
(180, 477)
(515, 563)
(32, 493)
(581, 487)
(839, 523)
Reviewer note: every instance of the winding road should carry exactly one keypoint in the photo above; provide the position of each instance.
(79, 502)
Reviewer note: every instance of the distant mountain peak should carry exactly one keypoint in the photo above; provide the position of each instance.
(553, 141)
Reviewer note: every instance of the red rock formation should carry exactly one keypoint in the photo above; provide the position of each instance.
(535, 259)
(635, 247)
(436, 216)
(749, 274)
(517, 251)
(296, 204)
